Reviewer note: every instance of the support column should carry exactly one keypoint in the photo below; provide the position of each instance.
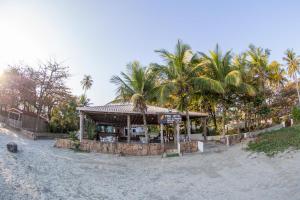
(162, 134)
(81, 131)
(174, 133)
(178, 137)
(188, 125)
(128, 128)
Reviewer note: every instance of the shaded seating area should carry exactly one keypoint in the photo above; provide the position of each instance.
(119, 123)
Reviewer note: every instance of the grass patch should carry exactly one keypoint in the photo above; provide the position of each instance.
(274, 142)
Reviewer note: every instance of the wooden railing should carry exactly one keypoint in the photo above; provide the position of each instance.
(14, 123)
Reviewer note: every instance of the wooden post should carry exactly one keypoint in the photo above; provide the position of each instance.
(178, 137)
(161, 134)
(81, 126)
(174, 133)
(128, 128)
(188, 125)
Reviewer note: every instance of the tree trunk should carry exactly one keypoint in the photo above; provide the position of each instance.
(238, 126)
(145, 128)
(224, 122)
(205, 129)
(214, 118)
(188, 125)
(215, 122)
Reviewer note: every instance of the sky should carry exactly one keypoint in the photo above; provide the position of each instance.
(100, 37)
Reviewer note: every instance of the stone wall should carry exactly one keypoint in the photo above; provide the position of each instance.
(189, 147)
(256, 133)
(28, 134)
(231, 139)
(133, 149)
(64, 143)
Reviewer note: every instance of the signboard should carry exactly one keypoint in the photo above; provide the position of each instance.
(169, 118)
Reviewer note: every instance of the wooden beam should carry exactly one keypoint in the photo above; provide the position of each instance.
(81, 126)
(161, 133)
(178, 137)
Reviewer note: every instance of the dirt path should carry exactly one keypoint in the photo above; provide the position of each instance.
(40, 171)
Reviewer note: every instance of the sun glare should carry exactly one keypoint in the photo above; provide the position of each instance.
(24, 36)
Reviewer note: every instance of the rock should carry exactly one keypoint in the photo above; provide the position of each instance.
(12, 147)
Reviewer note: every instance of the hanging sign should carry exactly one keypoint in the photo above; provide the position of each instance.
(169, 118)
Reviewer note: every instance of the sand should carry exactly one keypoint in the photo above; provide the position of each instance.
(40, 171)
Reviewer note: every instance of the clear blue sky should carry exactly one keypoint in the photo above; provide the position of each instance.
(100, 37)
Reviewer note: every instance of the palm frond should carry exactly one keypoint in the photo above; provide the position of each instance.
(233, 78)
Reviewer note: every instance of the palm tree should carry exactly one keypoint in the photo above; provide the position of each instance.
(293, 64)
(276, 75)
(86, 83)
(179, 81)
(138, 87)
(84, 101)
(219, 68)
(258, 59)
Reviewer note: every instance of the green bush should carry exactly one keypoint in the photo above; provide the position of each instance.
(77, 145)
(64, 117)
(296, 113)
(91, 129)
(72, 136)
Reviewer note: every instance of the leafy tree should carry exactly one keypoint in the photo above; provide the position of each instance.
(137, 86)
(64, 117)
(50, 86)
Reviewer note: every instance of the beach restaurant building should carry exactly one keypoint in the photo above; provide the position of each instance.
(119, 129)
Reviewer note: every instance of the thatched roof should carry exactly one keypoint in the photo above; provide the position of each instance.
(117, 114)
(127, 108)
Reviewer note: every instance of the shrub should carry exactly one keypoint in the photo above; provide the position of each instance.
(72, 136)
(77, 145)
(91, 127)
(296, 113)
(64, 117)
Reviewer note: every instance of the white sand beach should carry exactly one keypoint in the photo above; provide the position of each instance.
(40, 171)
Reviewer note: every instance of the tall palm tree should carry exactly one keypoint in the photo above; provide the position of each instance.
(179, 81)
(219, 68)
(86, 83)
(258, 59)
(293, 64)
(138, 87)
(276, 75)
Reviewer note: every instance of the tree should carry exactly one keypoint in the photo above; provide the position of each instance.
(64, 117)
(218, 68)
(50, 86)
(86, 83)
(178, 78)
(293, 64)
(259, 63)
(138, 87)
(84, 101)
(17, 89)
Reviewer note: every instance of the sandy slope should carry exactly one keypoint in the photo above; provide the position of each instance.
(40, 171)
